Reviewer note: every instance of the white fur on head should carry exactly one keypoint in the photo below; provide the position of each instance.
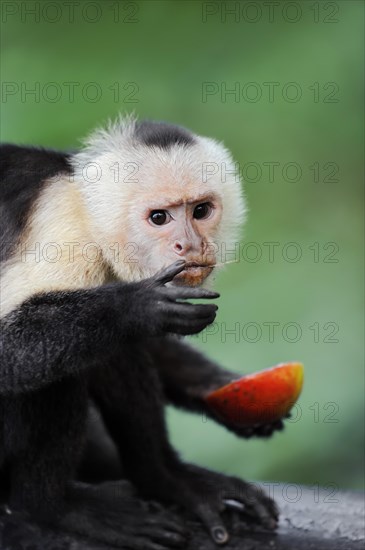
(119, 176)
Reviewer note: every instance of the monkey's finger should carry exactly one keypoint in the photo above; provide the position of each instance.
(266, 430)
(169, 526)
(213, 523)
(158, 528)
(260, 512)
(236, 520)
(191, 311)
(179, 293)
(168, 273)
(162, 535)
(189, 327)
(256, 503)
(163, 521)
(185, 317)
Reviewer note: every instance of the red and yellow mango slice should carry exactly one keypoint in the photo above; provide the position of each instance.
(259, 398)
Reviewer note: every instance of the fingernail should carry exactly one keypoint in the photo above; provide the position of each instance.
(219, 534)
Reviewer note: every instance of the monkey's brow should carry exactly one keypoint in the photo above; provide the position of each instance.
(206, 197)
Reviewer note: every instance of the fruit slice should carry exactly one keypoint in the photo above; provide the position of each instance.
(258, 398)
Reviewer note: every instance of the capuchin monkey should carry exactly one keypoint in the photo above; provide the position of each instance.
(101, 249)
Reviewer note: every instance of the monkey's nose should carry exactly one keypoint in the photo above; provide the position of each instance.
(181, 247)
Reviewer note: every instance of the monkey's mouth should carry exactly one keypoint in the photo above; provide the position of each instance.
(196, 267)
(192, 265)
(194, 273)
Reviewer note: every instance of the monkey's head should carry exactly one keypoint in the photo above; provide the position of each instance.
(157, 193)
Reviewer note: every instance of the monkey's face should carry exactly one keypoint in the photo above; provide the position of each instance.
(178, 217)
(185, 230)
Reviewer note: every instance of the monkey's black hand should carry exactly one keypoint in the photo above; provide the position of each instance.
(164, 309)
(211, 493)
(258, 430)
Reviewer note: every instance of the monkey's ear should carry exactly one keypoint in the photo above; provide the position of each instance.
(259, 399)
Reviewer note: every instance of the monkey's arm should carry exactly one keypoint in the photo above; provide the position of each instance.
(56, 334)
(53, 335)
(188, 375)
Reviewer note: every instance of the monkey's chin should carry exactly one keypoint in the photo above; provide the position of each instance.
(192, 276)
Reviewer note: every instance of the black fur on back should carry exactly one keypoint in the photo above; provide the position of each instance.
(23, 171)
(162, 134)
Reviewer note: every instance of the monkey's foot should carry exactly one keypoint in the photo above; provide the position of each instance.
(19, 532)
(112, 514)
(98, 517)
(211, 493)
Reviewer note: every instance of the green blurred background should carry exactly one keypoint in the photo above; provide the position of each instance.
(156, 58)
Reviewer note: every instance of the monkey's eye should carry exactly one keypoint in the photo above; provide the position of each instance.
(202, 210)
(159, 217)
